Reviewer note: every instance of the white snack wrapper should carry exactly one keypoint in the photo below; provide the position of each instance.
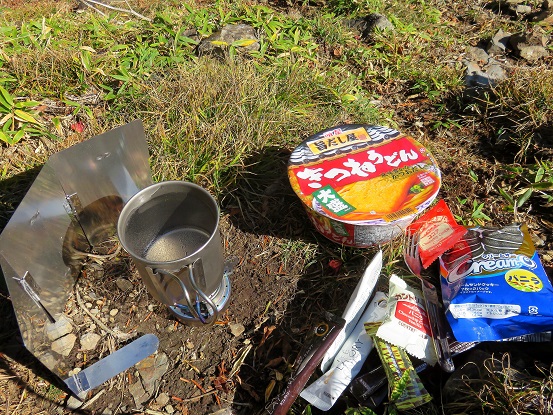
(356, 304)
(324, 392)
(406, 324)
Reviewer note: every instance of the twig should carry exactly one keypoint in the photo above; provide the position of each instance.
(95, 9)
(107, 6)
(101, 257)
(195, 398)
(91, 401)
(116, 334)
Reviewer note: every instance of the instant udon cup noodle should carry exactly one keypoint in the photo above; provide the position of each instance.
(362, 185)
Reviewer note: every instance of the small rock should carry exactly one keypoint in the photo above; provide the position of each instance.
(523, 9)
(74, 371)
(48, 360)
(60, 328)
(151, 307)
(138, 393)
(381, 22)
(124, 284)
(365, 26)
(224, 411)
(152, 369)
(495, 71)
(64, 344)
(88, 305)
(229, 34)
(529, 46)
(73, 403)
(189, 345)
(499, 43)
(533, 53)
(162, 400)
(478, 55)
(89, 341)
(169, 409)
(113, 312)
(94, 311)
(171, 328)
(236, 329)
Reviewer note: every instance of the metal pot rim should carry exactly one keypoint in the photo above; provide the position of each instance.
(151, 190)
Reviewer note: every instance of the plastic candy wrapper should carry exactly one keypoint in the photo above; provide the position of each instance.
(406, 390)
(436, 232)
(406, 324)
(494, 286)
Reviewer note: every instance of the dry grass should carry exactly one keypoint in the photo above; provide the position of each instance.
(503, 389)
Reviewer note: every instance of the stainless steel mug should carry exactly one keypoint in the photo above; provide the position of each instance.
(171, 231)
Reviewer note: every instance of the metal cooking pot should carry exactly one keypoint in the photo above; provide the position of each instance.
(171, 231)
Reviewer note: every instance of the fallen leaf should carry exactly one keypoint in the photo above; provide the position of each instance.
(77, 126)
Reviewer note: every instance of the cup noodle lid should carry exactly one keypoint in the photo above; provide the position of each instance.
(364, 174)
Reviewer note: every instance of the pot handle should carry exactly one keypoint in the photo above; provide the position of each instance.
(198, 264)
(193, 305)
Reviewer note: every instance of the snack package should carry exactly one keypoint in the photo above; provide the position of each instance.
(437, 231)
(494, 286)
(406, 324)
(406, 390)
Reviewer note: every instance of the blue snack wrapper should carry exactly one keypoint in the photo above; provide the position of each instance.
(494, 286)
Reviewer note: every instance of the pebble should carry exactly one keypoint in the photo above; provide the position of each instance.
(89, 341)
(189, 345)
(162, 399)
(151, 369)
(73, 403)
(88, 305)
(64, 344)
(74, 371)
(94, 311)
(151, 307)
(113, 312)
(169, 409)
(60, 328)
(48, 360)
(124, 284)
(138, 393)
(237, 329)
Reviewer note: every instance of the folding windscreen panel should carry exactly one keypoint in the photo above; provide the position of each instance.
(72, 206)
